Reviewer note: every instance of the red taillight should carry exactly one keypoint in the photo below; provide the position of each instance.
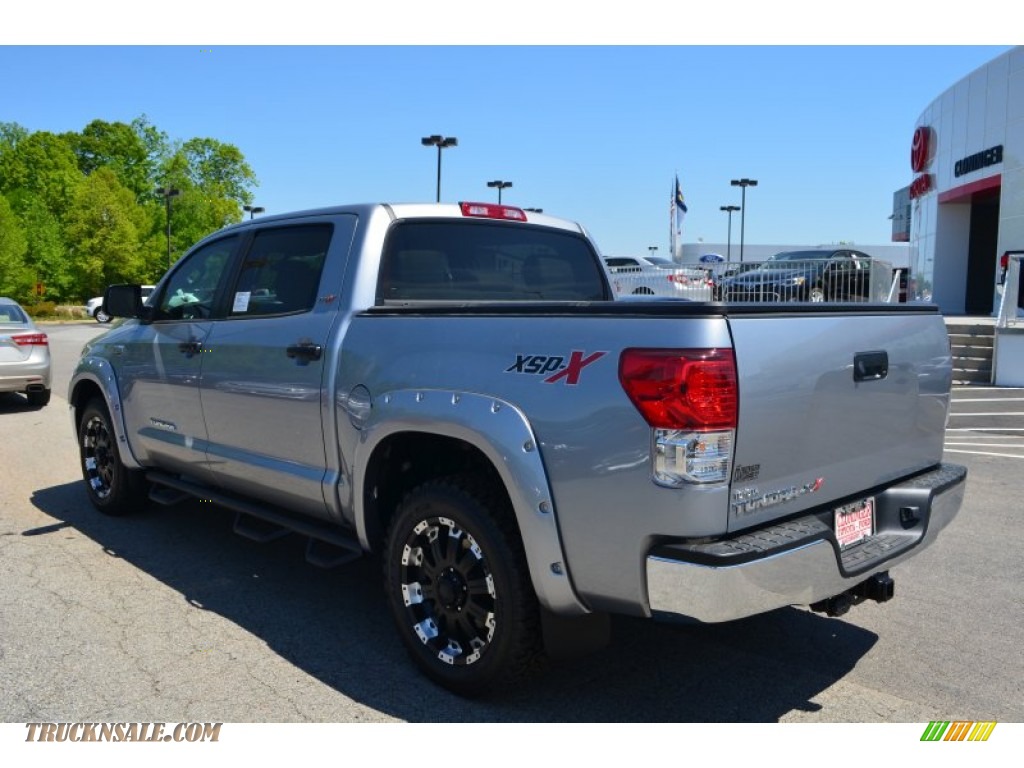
(693, 389)
(30, 339)
(681, 279)
(488, 211)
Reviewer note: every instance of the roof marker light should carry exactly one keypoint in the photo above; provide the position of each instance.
(488, 211)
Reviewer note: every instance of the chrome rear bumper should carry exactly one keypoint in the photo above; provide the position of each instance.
(799, 562)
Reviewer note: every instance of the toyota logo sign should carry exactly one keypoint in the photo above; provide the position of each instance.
(920, 150)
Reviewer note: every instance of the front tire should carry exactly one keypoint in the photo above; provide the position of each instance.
(102, 317)
(113, 488)
(459, 588)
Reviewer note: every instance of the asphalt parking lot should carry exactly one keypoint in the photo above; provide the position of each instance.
(168, 616)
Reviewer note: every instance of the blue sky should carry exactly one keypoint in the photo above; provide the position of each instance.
(592, 133)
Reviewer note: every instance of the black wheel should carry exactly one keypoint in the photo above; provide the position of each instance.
(113, 488)
(817, 294)
(643, 291)
(38, 398)
(102, 317)
(459, 588)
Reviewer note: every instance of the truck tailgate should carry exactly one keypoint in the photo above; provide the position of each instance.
(832, 405)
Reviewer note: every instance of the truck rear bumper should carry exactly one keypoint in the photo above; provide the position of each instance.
(799, 562)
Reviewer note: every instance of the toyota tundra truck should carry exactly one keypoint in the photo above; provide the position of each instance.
(455, 388)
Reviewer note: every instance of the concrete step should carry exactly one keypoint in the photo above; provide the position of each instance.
(972, 377)
(977, 341)
(972, 364)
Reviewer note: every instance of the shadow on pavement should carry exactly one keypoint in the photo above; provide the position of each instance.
(335, 626)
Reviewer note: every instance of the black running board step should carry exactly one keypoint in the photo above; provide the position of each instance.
(168, 497)
(315, 529)
(324, 554)
(259, 530)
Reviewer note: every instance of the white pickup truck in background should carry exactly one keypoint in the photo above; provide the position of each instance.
(658, 276)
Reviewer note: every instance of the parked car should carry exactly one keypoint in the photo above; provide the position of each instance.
(813, 275)
(657, 276)
(24, 355)
(95, 306)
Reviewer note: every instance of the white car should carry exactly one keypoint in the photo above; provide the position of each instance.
(95, 306)
(24, 355)
(658, 276)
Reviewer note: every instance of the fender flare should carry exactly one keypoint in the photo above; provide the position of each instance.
(101, 373)
(502, 433)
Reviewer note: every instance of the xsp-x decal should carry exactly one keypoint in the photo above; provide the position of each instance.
(555, 365)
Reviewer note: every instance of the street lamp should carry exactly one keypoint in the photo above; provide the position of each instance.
(728, 243)
(743, 184)
(167, 193)
(441, 142)
(500, 186)
(253, 210)
(653, 249)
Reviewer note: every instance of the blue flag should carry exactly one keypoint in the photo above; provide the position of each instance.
(680, 205)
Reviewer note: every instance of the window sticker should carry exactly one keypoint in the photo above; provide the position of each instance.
(241, 301)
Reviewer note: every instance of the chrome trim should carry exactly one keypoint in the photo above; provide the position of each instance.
(796, 577)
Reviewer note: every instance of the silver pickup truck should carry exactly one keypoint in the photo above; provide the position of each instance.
(454, 388)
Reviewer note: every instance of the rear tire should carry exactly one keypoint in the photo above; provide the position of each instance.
(458, 586)
(102, 317)
(113, 488)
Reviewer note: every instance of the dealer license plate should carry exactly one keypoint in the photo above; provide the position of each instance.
(855, 522)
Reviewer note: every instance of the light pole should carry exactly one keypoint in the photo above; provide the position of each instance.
(253, 210)
(728, 243)
(653, 249)
(500, 186)
(167, 193)
(441, 142)
(743, 184)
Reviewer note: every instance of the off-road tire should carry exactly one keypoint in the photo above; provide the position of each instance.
(113, 488)
(459, 588)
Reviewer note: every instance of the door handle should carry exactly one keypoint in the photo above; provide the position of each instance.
(190, 348)
(870, 366)
(305, 351)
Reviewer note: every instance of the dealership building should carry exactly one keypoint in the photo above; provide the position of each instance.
(964, 206)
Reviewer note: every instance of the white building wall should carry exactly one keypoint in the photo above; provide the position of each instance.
(950, 249)
(983, 110)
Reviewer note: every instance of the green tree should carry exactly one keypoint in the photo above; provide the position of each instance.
(105, 228)
(15, 278)
(46, 255)
(218, 169)
(43, 163)
(116, 146)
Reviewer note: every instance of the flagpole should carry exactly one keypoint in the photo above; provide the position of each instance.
(672, 223)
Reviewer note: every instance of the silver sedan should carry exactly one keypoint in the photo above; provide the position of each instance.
(24, 355)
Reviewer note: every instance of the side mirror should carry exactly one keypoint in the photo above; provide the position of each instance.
(124, 301)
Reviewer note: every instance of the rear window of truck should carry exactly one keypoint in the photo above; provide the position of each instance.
(454, 260)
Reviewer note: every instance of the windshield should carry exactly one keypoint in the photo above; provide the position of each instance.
(659, 261)
(11, 314)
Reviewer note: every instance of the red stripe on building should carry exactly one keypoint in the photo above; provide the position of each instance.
(967, 191)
